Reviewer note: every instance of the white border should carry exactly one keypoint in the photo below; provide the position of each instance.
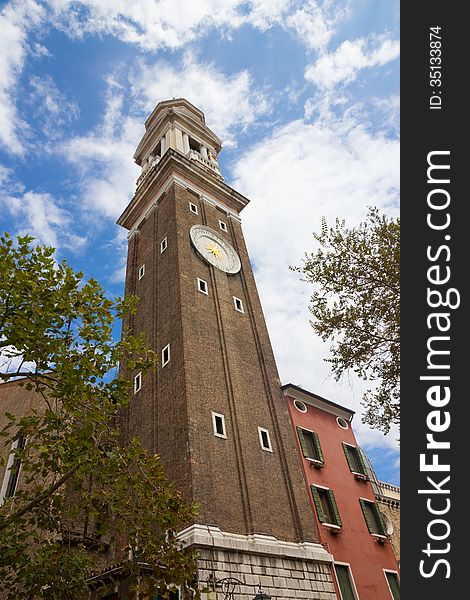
(163, 244)
(240, 310)
(7, 475)
(199, 281)
(338, 419)
(388, 585)
(195, 212)
(141, 271)
(301, 402)
(351, 577)
(214, 426)
(263, 447)
(164, 363)
(223, 226)
(139, 378)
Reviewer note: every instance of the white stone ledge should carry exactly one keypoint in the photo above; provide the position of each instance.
(214, 537)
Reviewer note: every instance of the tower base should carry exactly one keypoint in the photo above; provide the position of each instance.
(244, 563)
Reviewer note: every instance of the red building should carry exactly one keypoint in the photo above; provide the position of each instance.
(338, 478)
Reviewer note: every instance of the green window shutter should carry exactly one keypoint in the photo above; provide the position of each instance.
(349, 458)
(318, 506)
(334, 509)
(303, 444)
(392, 579)
(362, 461)
(316, 443)
(344, 582)
(380, 519)
(370, 524)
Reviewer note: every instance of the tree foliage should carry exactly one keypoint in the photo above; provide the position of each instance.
(82, 490)
(356, 305)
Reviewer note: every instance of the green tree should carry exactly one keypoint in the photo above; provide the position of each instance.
(83, 490)
(356, 305)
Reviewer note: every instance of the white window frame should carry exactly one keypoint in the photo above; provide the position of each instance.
(8, 474)
(351, 577)
(223, 226)
(386, 579)
(375, 535)
(327, 489)
(206, 291)
(141, 271)
(241, 309)
(215, 416)
(138, 382)
(262, 430)
(165, 362)
(193, 208)
(163, 245)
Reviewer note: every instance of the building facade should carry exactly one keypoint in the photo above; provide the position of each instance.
(351, 523)
(214, 409)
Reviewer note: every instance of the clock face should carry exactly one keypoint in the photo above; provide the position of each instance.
(214, 249)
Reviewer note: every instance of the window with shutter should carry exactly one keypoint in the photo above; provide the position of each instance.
(325, 505)
(373, 518)
(393, 584)
(355, 459)
(310, 445)
(343, 575)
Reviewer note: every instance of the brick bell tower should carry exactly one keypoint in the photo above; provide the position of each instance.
(214, 409)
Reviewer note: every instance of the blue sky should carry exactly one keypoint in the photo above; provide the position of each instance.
(304, 95)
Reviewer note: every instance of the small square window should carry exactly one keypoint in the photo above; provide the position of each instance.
(163, 245)
(202, 286)
(218, 423)
(193, 208)
(238, 304)
(264, 439)
(166, 355)
(137, 382)
(141, 272)
(223, 226)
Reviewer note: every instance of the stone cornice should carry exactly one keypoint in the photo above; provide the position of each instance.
(188, 172)
(267, 545)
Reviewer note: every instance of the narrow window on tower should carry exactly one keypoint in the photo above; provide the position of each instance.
(166, 355)
(202, 286)
(223, 226)
(264, 439)
(141, 272)
(218, 423)
(137, 382)
(163, 245)
(193, 208)
(12, 471)
(238, 304)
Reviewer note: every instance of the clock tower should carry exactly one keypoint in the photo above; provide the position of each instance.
(214, 409)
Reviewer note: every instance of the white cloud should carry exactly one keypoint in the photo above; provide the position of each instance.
(229, 102)
(301, 173)
(154, 24)
(16, 19)
(53, 110)
(343, 65)
(103, 160)
(315, 22)
(37, 214)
